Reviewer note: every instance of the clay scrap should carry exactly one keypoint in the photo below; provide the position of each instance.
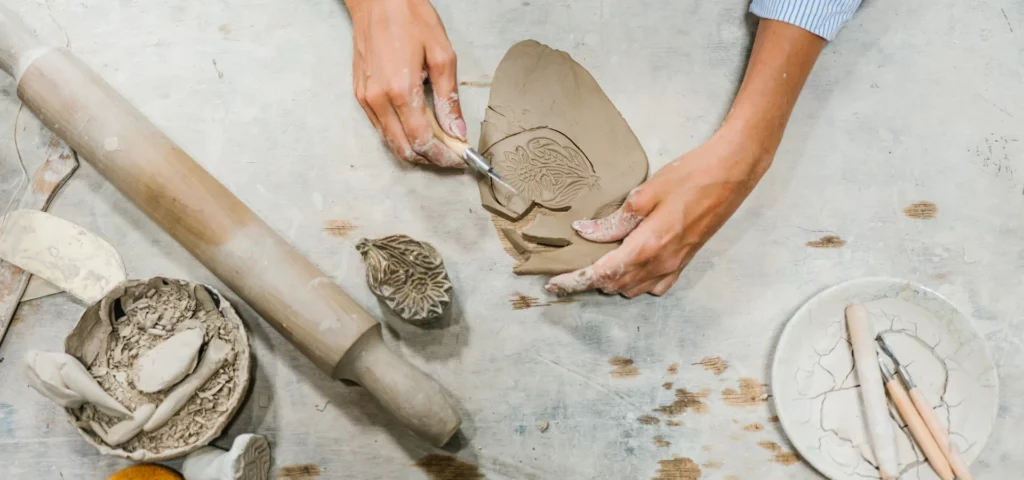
(64, 254)
(408, 276)
(169, 362)
(62, 378)
(248, 459)
(554, 135)
(174, 354)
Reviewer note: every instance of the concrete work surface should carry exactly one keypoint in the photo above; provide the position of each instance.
(915, 101)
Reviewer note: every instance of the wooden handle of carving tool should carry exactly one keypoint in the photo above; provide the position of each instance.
(918, 429)
(291, 293)
(453, 143)
(956, 462)
(876, 409)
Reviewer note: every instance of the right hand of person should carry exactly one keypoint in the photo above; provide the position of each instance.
(397, 45)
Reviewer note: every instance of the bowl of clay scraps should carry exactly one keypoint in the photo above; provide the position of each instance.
(174, 354)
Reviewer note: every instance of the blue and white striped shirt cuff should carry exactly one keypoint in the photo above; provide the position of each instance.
(820, 17)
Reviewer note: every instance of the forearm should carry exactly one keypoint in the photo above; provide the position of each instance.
(780, 62)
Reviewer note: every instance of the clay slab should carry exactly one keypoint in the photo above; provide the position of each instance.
(552, 133)
(816, 390)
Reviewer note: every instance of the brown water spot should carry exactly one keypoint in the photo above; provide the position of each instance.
(522, 302)
(648, 420)
(921, 210)
(298, 472)
(446, 467)
(677, 468)
(754, 427)
(667, 385)
(672, 369)
(623, 367)
(712, 464)
(773, 419)
(714, 364)
(339, 228)
(673, 423)
(686, 400)
(786, 458)
(224, 29)
(475, 83)
(827, 241)
(660, 442)
(751, 393)
(779, 456)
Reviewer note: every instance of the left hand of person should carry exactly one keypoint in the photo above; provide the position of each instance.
(667, 219)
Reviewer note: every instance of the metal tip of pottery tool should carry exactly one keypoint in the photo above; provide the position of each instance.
(887, 349)
(496, 178)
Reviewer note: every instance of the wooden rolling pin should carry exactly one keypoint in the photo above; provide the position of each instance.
(872, 390)
(298, 299)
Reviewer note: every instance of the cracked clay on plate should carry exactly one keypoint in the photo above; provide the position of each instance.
(816, 390)
(553, 135)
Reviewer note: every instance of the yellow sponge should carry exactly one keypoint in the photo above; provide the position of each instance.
(146, 472)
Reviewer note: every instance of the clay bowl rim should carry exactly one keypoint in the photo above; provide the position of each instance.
(234, 402)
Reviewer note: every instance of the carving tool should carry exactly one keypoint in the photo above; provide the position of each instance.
(225, 235)
(872, 391)
(956, 462)
(916, 425)
(469, 155)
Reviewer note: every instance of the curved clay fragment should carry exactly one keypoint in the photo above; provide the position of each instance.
(167, 363)
(552, 133)
(408, 276)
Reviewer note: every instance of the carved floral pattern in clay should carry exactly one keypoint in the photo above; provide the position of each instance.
(548, 172)
(408, 275)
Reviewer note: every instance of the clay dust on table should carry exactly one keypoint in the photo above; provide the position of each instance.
(754, 427)
(672, 369)
(827, 241)
(660, 442)
(339, 228)
(303, 471)
(148, 315)
(921, 210)
(648, 420)
(780, 456)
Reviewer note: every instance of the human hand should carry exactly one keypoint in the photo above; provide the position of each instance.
(397, 45)
(667, 219)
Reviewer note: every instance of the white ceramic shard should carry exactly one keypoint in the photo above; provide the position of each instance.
(64, 254)
(169, 362)
(248, 459)
(123, 431)
(61, 378)
(215, 356)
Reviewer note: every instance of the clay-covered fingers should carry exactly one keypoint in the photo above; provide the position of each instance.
(441, 68)
(605, 272)
(621, 222)
(419, 130)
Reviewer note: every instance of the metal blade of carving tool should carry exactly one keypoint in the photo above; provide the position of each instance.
(479, 163)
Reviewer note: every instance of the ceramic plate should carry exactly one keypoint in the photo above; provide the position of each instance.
(816, 391)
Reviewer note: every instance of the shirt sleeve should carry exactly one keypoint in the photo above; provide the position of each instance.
(820, 17)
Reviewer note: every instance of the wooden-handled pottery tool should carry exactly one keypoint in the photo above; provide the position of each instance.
(291, 293)
(927, 413)
(910, 415)
(872, 391)
(468, 154)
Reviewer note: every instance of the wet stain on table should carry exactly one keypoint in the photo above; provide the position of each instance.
(623, 367)
(714, 364)
(446, 467)
(677, 468)
(751, 393)
(685, 401)
(827, 241)
(298, 472)
(921, 210)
